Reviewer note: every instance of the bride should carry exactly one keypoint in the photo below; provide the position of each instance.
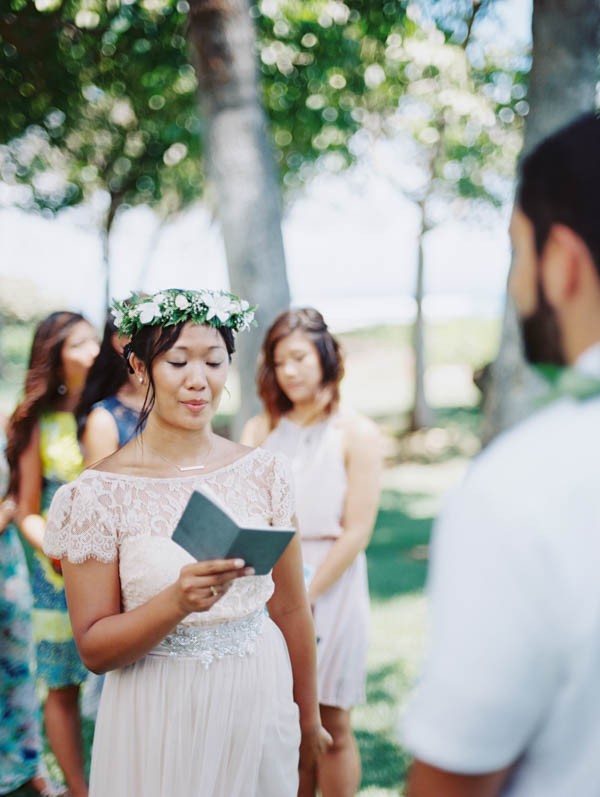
(207, 693)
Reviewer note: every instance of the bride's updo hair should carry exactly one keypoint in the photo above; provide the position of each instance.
(150, 342)
(312, 324)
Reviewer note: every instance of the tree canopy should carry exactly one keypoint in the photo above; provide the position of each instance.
(102, 94)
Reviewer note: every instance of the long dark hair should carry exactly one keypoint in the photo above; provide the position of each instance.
(105, 378)
(42, 381)
(149, 343)
(312, 324)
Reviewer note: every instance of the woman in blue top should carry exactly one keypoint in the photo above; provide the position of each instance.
(109, 408)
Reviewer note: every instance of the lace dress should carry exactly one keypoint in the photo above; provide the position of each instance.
(209, 712)
(20, 737)
(341, 615)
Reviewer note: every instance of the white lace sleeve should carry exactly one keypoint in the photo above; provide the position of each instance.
(283, 504)
(79, 526)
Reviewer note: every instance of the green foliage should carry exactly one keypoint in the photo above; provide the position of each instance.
(102, 94)
(327, 75)
(116, 111)
(461, 117)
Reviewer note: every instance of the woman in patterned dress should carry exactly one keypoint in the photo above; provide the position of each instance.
(43, 453)
(21, 760)
(336, 458)
(206, 694)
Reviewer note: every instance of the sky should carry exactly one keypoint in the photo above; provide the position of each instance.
(350, 246)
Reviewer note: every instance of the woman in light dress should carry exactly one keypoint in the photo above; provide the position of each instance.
(43, 453)
(206, 695)
(336, 458)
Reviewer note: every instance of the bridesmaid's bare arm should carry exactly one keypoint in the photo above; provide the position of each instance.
(29, 519)
(100, 437)
(363, 471)
(256, 431)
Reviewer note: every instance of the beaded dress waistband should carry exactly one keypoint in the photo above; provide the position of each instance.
(210, 642)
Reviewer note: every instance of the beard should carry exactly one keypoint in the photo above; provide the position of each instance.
(541, 336)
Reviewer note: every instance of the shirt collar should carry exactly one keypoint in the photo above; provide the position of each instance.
(589, 361)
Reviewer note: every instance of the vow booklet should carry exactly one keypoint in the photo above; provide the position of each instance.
(207, 531)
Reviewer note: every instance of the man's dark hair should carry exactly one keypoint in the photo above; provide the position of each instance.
(560, 183)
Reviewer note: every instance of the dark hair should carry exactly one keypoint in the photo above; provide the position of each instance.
(560, 183)
(312, 324)
(42, 382)
(150, 342)
(105, 378)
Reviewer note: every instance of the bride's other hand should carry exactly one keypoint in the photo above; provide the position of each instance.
(201, 584)
(315, 741)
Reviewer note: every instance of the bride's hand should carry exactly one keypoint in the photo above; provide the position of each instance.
(315, 741)
(201, 584)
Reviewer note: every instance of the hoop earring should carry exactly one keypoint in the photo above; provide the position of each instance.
(61, 390)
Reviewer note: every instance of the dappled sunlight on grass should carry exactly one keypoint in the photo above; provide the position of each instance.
(397, 562)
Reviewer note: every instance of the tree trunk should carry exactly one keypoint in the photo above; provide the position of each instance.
(421, 415)
(562, 85)
(241, 171)
(115, 201)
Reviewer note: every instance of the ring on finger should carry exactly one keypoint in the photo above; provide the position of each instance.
(214, 590)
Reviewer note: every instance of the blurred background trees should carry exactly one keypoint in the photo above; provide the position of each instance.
(118, 103)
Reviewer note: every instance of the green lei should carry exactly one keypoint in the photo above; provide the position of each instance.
(567, 382)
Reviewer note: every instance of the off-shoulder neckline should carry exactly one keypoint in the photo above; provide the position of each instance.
(181, 477)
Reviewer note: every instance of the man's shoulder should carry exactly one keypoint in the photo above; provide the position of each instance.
(546, 448)
(563, 423)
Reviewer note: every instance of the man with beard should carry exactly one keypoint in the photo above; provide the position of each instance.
(508, 699)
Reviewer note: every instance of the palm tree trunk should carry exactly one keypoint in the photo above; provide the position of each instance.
(241, 170)
(421, 415)
(562, 85)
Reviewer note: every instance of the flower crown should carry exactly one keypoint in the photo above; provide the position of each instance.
(174, 306)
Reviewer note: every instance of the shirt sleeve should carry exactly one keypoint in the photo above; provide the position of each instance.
(492, 666)
(80, 526)
(282, 493)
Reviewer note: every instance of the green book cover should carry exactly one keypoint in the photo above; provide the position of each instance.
(207, 531)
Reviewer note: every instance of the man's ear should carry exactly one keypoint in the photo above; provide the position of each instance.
(564, 265)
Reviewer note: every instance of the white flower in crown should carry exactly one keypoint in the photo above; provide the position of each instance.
(117, 317)
(148, 311)
(248, 319)
(158, 298)
(244, 305)
(219, 306)
(181, 302)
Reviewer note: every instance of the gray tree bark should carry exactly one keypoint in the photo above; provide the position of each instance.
(241, 171)
(562, 85)
(421, 415)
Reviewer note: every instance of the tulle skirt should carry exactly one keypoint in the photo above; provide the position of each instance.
(341, 619)
(170, 727)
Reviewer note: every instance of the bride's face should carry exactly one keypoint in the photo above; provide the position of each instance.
(189, 377)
